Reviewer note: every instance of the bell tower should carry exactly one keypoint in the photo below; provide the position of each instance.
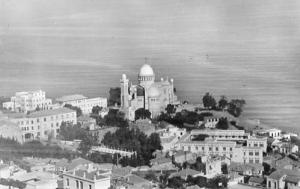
(124, 92)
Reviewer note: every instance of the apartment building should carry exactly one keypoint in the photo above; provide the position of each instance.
(85, 104)
(85, 179)
(229, 149)
(28, 101)
(257, 142)
(41, 124)
(225, 135)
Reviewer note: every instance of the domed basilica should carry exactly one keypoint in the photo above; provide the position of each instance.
(148, 94)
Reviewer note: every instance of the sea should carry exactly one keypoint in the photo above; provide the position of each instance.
(248, 50)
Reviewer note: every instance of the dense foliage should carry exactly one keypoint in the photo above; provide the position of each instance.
(114, 96)
(222, 104)
(134, 140)
(76, 132)
(222, 124)
(170, 109)
(77, 109)
(114, 118)
(209, 101)
(142, 113)
(12, 149)
(235, 107)
(182, 117)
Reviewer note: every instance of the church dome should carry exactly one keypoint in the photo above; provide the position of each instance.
(146, 70)
(153, 92)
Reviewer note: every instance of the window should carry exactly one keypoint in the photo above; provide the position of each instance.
(210, 149)
(196, 148)
(68, 182)
(255, 145)
(250, 160)
(52, 125)
(230, 149)
(77, 184)
(257, 161)
(57, 124)
(90, 186)
(261, 145)
(45, 119)
(81, 185)
(203, 148)
(37, 120)
(250, 153)
(32, 128)
(217, 149)
(257, 153)
(224, 148)
(31, 121)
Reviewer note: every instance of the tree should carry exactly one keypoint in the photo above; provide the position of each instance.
(151, 177)
(222, 124)
(235, 107)
(171, 109)
(114, 118)
(96, 110)
(114, 96)
(216, 181)
(267, 168)
(209, 101)
(223, 102)
(142, 113)
(154, 142)
(77, 109)
(176, 182)
(224, 169)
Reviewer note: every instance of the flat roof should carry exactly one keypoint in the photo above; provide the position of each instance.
(71, 98)
(42, 113)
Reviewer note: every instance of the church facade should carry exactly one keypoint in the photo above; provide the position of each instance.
(148, 94)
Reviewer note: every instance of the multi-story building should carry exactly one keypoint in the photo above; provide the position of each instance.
(229, 149)
(257, 142)
(224, 135)
(85, 179)
(41, 124)
(85, 104)
(210, 122)
(28, 101)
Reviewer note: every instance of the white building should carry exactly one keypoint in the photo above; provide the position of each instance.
(210, 122)
(169, 136)
(148, 94)
(227, 135)
(85, 104)
(257, 142)
(41, 124)
(28, 101)
(229, 149)
(85, 179)
(274, 133)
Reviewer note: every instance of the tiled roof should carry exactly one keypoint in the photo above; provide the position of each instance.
(89, 175)
(160, 160)
(185, 172)
(244, 167)
(281, 172)
(76, 162)
(259, 180)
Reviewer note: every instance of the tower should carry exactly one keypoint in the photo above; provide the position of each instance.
(124, 92)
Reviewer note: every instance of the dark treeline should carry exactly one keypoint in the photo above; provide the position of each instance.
(133, 140)
(10, 148)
